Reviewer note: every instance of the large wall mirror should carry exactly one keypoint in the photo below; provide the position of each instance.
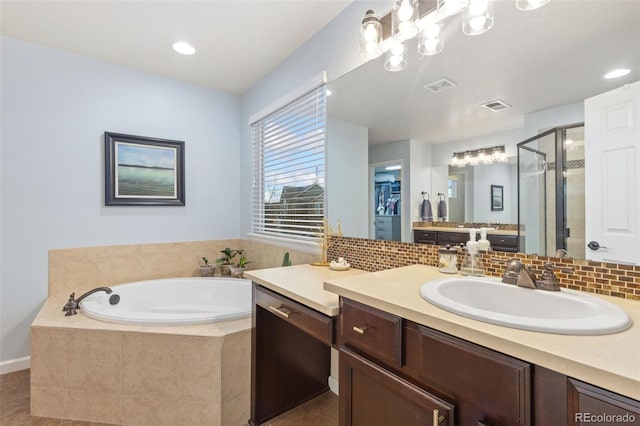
(390, 137)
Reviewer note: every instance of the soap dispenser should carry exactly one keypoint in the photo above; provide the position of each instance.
(484, 244)
(472, 264)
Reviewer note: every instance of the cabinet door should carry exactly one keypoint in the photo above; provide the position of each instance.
(372, 396)
(592, 405)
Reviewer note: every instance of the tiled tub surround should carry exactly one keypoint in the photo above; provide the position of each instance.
(608, 279)
(96, 371)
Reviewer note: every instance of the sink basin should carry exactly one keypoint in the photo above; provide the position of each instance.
(561, 312)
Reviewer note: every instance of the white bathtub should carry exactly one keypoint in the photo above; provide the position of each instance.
(174, 301)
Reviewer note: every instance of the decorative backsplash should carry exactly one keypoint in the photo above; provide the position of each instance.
(609, 279)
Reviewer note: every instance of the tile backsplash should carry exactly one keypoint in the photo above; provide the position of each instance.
(595, 277)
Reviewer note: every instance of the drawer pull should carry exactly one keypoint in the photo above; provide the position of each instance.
(282, 311)
(437, 418)
(360, 330)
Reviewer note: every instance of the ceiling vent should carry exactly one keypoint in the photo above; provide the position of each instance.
(441, 85)
(496, 105)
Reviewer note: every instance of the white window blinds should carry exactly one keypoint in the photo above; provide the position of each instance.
(288, 163)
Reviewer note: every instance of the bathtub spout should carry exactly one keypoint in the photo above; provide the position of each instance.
(73, 304)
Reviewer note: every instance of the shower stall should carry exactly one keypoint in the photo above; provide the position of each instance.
(551, 192)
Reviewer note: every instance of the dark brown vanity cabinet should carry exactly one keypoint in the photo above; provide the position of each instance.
(499, 242)
(393, 371)
(592, 405)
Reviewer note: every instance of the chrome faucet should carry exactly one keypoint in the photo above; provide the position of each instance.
(523, 276)
(73, 304)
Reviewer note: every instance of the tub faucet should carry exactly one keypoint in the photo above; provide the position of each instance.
(73, 304)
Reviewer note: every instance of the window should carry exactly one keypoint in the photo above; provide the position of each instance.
(288, 161)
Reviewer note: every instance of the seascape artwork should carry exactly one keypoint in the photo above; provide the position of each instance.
(145, 171)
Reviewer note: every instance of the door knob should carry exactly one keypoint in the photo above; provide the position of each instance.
(594, 245)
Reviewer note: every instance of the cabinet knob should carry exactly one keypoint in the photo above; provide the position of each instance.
(360, 330)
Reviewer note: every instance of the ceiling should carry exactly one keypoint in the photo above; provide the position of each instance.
(537, 60)
(237, 42)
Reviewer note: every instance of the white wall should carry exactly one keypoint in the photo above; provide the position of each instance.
(55, 108)
(538, 122)
(484, 176)
(347, 182)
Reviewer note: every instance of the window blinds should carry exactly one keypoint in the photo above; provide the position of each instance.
(288, 161)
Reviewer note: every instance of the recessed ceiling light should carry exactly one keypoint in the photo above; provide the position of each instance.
(394, 167)
(617, 73)
(184, 48)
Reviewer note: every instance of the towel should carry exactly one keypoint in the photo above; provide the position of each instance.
(426, 212)
(442, 210)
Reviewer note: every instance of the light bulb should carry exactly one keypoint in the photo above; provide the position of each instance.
(478, 7)
(371, 46)
(431, 45)
(395, 60)
(370, 33)
(405, 12)
(405, 28)
(477, 23)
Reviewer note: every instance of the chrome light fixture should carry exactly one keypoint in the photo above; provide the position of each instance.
(530, 4)
(478, 17)
(494, 154)
(430, 42)
(370, 36)
(396, 60)
(404, 18)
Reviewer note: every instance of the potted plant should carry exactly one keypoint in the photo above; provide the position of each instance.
(207, 270)
(225, 261)
(237, 271)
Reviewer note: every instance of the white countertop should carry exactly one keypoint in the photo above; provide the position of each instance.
(610, 361)
(304, 284)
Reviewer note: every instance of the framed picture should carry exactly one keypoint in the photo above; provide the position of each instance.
(497, 198)
(141, 171)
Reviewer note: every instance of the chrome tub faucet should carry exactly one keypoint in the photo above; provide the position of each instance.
(73, 304)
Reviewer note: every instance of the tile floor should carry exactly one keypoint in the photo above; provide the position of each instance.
(14, 408)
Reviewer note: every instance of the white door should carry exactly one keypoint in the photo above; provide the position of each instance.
(612, 156)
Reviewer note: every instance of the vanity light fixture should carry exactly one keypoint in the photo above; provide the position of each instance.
(184, 48)
(370, 36)
(494, 154)
(407, 21)
(617, 73)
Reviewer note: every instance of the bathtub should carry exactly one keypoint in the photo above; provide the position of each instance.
(174, 301)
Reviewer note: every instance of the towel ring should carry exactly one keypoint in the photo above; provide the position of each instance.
(425, 193)
(440, 194)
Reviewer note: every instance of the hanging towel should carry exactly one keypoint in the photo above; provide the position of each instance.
(426, 212)
(442, 210)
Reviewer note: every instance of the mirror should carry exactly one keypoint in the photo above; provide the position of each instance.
(543, 63)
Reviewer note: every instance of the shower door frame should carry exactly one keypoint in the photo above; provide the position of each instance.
(560, 185)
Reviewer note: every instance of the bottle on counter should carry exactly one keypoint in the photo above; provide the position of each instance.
(472, 264)
(448, 263)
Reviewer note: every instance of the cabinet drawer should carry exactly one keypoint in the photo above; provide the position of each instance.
(375, 332)
(495, 383)
(503, 241)
(452, 238)
(314, 323)
(370, 395)
(425, 237)
(590, 401)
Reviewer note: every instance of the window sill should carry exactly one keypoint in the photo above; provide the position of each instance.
(303, 246)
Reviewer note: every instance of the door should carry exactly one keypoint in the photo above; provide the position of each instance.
(612, 155)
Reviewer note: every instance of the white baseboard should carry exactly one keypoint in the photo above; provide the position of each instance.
(15, 365)
(333, 385)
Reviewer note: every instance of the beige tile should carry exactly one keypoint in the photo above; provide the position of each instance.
(236, 410)
(14, 386)
(94, 406)
(192, 413)
(48, 356)
(198, 369)
(48, 402)
(94, 361)
(149, 365)
(141, 411)
(236, 365)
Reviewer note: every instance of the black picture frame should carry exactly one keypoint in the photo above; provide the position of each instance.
(143, 171)
(497, 198)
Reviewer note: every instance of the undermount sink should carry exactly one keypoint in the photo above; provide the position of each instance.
(560, 312)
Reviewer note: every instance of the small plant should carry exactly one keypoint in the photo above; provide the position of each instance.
(286, 261)
(242, 262)
(228, 256)
(207, 270)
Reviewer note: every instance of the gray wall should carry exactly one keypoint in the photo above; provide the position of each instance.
(55, 108)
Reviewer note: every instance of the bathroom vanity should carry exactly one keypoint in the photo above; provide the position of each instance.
(404, 361)
(440, 235)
